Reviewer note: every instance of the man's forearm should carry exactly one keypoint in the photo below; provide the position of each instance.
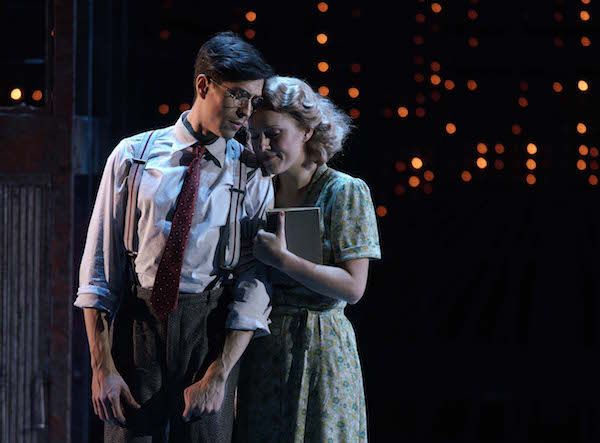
(236, 343)
(96, 325)
(206, 395)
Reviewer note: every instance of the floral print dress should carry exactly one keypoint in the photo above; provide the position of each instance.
(303, 383)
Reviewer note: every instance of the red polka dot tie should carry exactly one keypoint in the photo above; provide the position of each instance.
(166, 283)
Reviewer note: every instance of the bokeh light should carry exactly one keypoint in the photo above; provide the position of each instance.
(323, 66)
(16, 94)
(416, 163)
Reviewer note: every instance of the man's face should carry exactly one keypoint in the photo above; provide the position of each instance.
(228, 105)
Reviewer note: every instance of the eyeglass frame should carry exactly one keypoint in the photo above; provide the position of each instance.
(247, 98)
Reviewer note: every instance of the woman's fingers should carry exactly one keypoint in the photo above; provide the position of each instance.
(281, 226)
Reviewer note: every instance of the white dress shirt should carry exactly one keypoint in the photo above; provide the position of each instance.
(102, 276)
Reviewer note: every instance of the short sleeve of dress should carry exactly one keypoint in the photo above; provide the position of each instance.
(353, 228)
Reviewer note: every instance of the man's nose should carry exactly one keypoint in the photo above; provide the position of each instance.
(244, 110)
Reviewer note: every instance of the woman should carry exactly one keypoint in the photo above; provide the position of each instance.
(303, 382)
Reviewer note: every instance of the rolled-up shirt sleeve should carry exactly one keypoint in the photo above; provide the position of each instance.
(250, 308)
(104, 263)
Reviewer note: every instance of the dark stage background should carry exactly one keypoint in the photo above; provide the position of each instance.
(477, 130)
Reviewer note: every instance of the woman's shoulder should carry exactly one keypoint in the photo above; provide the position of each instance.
(340, 180)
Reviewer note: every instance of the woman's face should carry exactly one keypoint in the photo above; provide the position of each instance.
(277, 140)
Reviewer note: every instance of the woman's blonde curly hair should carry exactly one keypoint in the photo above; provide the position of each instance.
(312, 111)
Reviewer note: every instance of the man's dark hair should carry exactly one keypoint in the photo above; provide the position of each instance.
(226, 57)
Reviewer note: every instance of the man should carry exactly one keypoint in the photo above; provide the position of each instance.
(180, 382)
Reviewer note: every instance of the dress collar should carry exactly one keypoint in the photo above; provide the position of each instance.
(314, 186)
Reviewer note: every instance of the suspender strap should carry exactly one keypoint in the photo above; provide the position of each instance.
(134, 178)
(262, 209)
(249, 159)
(231, 233)
(231, 238)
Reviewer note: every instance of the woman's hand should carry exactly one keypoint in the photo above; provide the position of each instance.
(269, 248)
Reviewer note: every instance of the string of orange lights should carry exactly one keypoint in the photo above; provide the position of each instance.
(430, 19)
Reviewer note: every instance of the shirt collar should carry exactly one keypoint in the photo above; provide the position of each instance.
(184, 138)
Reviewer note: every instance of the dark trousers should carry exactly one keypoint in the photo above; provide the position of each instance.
(158, 360)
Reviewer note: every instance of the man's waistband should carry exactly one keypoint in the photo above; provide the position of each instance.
(209, 294)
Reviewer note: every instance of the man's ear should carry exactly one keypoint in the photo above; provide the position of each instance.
(308, 133)
(201, 85)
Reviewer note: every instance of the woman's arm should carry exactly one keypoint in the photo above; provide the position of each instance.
(346, 282)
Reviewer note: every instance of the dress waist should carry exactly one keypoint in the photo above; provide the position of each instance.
(297, 310)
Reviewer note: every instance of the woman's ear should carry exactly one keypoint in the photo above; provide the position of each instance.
(308, 133)
(201, 85)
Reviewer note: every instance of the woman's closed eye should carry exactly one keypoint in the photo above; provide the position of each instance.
(269, 133)
(255, 135)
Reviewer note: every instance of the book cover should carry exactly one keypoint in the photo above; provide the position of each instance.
(302, 231)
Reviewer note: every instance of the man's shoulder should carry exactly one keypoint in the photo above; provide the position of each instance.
(134, 142)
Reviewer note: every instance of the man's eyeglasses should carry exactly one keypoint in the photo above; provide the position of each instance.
(240, 97)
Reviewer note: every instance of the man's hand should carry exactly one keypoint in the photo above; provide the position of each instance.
(108, 390)
(271, 248)
(206, 395)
